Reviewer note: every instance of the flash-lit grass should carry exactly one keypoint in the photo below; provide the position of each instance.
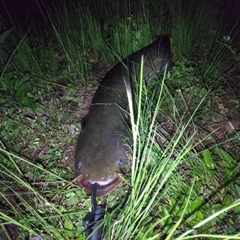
(41, 211)
(162, 200)
(156, 181)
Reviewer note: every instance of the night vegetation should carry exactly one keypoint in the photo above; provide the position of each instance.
(183, 182)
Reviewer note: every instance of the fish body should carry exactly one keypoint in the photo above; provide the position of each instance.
(102, 150)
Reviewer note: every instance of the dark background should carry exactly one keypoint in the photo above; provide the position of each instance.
(25, 12)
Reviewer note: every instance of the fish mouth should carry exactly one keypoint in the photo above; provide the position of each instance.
(104, 187)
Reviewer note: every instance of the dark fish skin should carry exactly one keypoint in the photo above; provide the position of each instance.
(102, 151)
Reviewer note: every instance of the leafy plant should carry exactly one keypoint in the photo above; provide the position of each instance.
(18, 87)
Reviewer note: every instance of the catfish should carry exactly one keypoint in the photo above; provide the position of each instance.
(103, 146)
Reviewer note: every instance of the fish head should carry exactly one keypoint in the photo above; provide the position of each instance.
(101, 165)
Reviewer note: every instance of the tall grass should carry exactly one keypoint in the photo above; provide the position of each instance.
(151, 169)
(39, 213)
(168, 178)
(160, 203)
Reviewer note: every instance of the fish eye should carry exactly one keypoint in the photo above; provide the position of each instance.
(120, 162)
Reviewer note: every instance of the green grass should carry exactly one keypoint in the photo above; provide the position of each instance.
(176, 188)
